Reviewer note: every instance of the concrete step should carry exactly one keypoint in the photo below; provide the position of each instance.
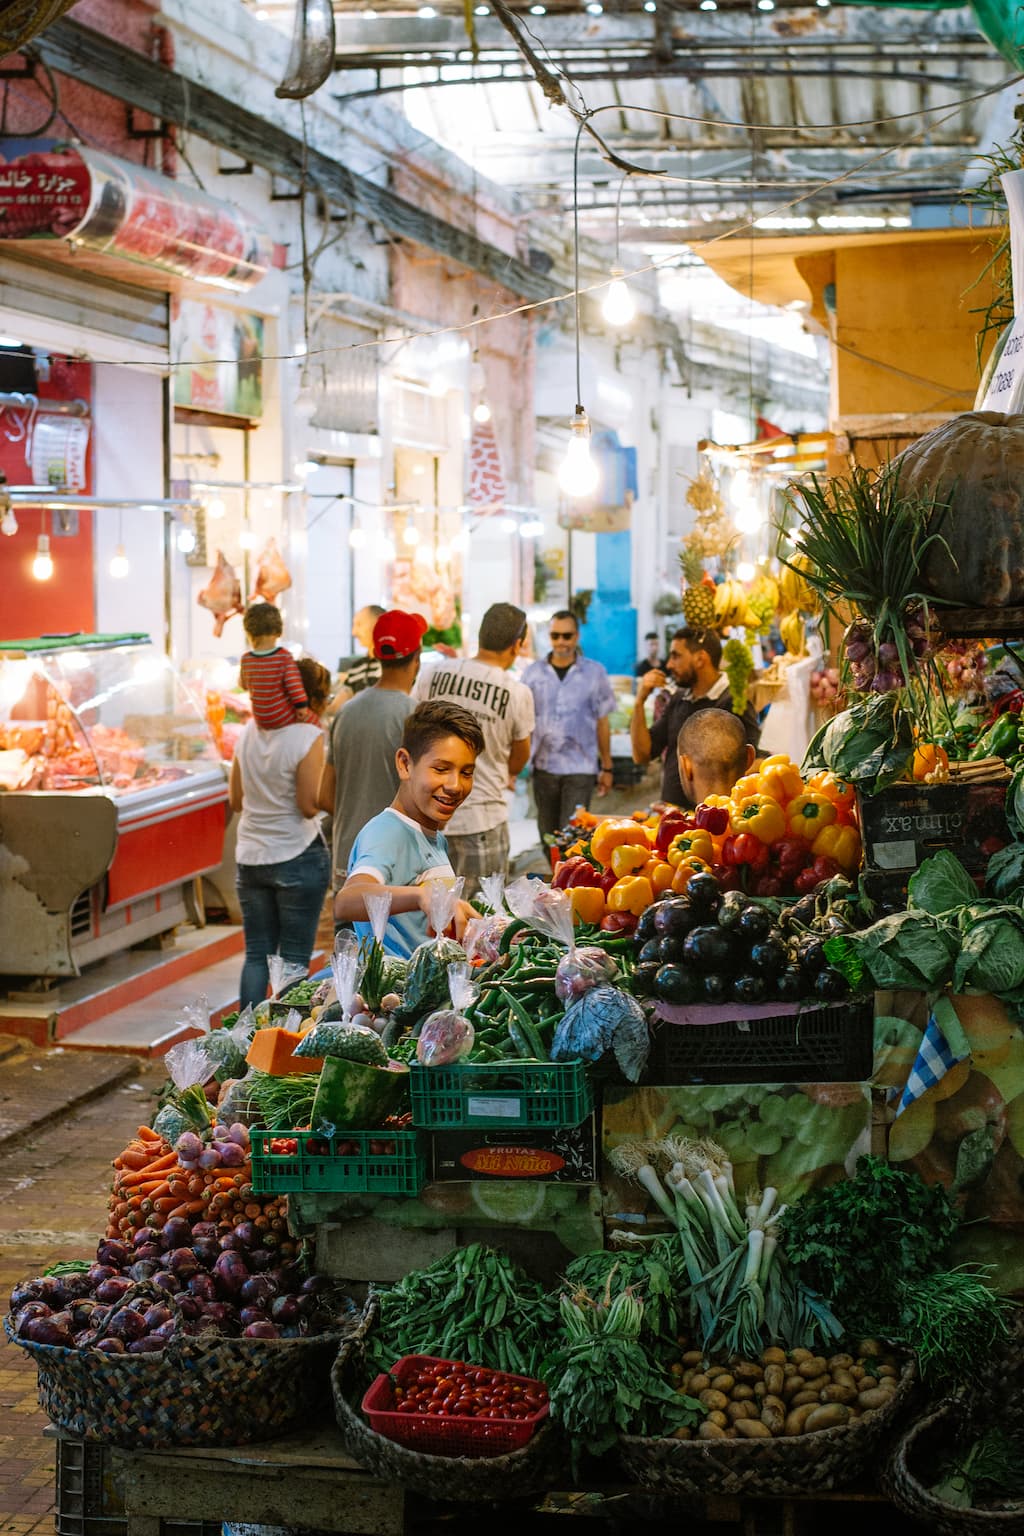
(150, 1026)
(39, 1087)
(45, 1013)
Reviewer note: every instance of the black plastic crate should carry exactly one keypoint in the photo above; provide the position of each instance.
(88, 1503)
(907, 823)
(832, 1044)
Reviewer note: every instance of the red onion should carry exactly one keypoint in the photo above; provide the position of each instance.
(190, 1307)
(143, 1269)
(156, 1315)
(146, 1235)
(110, 1251)
(209, 1158)
(259, 1259)
(149, 1344)
(82, 1313)
(32, 1309)
(31, 1290)
(203, 1286)
(231, 1242)
(99, 1272)
(230, 1273)
(206, 1229)
(148, 1251)
(182, 1262)
(229, 1154)
(285, 1309)
(252, 1315)
(44, 1330)
(258, 1290)
(220, 1317)
(110, 1346)
(77, 1287)
(206, 1250)
(167, 1330)
(167, 1282)
(127, 1324)
(86, 1338)
(261, 1331)
(176, 1233)
(113, 1289)
(249, 1232)
(315, 1284)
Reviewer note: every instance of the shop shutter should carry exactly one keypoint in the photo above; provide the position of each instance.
(419, 418)
(97, 315)
(346, 380)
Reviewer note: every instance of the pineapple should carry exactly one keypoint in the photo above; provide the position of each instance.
(698, 594)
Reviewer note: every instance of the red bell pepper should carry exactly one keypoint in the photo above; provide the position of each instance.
(712, 818)
(670, 826)
(606, 879)
(745, 848)
(618, 922)
(574, 871)
(728, 877)
(767, 884)
(816, 874)
(788, 857)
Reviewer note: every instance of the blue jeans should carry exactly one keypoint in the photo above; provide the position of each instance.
(281, 905)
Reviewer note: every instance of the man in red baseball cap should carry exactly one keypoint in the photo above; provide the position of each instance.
(360, 778)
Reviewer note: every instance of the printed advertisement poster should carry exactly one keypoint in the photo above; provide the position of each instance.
(218, 356)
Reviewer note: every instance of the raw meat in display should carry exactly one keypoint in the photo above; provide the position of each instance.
(272, 575)
(222, 594)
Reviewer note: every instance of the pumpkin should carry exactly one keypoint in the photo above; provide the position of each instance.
(973, 464)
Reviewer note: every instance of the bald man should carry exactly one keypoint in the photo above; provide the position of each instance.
(713, 753)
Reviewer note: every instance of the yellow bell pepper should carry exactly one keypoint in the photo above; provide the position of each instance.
(720, 802)
(588, 904)
(780, 778)
(809, 814)
(696, 842)
(614, 833)
(632, 893)
(750, 784)
(685, 871)
(761, 815)
(839, 791)
(627, 858)
(839, 843)
(659, 873)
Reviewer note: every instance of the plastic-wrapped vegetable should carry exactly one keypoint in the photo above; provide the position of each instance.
(225, 1048)
(349, 1042)
(283, 974)
(170, 1122)
(580, 970)
(236, 1103)
(544, 908)
(346, 968)
(448, 1035)
(482, 937)
(425, 985)
(604, 1019)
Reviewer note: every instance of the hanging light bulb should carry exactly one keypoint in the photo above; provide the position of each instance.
(215, 508)
(186, 539)
(482, 412)
(508, 524)
(8, 523)
(120, 565)
(579, 475)
(410, 535)
(745, 571)
(42, 565)
(247, 539)
(357, 538)
(443, 554)
(618, 307)
(531, 528)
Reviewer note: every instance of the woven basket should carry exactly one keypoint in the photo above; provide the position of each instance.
(517, 1475)
(792, 1464)
(921, 1449)
(197, 1391)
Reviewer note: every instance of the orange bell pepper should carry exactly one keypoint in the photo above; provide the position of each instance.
(632, 893)
(839, 791)
(780, 778)
(627, 858)
(685, 871)
(659, 874)
(588, 904)
(809, 814)
(761, 815)
(839, 843)
(614, 833)
(696, 843)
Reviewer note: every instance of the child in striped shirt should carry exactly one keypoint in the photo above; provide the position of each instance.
(269, 672)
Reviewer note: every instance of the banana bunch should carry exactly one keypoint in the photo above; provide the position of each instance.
(791, 630)
(796, 594)
(732, 606)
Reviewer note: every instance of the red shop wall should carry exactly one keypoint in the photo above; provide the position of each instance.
(67, 602)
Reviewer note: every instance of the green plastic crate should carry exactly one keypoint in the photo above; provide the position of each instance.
(341, 1164)
(494, 1094)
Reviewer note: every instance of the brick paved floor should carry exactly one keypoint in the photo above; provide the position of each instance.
(53, 1196)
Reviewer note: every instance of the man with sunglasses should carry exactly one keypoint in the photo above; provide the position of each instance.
(693, 660)
(572, 753)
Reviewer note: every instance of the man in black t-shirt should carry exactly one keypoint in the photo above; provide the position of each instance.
(693, 660)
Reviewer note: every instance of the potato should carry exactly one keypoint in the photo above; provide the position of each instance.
(742, 1392)
(791, 1385)
(797, 1418)
(774, 1376)
(857, 1372)
(774, 1402)
(773, 1418)
(875, 1397)
(870, 1347)
(829, 1416)
(840, 1363)
(737, 1411)
(752, 1429)
(773, 1356)
(837, 1393)
(815, 1366)
(887, 1373)
(746, 1370)
(684, 1432)
(692, 1357)
(760, 1390)
(842, 1378)
(710, 1431)
(719, 1418)
(816, 1384)
(801, 1398)
(723, 1383)
(714, 1401)
(799, 1355)
(698, 1382)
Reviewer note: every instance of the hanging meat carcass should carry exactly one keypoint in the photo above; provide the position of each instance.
(222, 594)
(272, 575)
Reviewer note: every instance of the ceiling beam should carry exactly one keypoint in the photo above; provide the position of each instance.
(93, 59)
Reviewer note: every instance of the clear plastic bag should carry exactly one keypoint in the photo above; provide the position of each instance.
(443, 896)
(226, 1048)
(284, 974)
(544, 908)
(492, 889)
(448, 1035)
(346, 968)
(378, 910)
(580, 970)
(349, 1042)
(482, 937)
(236, 1102)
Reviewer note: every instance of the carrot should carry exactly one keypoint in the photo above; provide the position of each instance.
(163, 1204)
(148, 1134)
(224, 1176)
(134, 1160)
(187, 1208)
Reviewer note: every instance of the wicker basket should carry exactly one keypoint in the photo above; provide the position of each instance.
(197, 1391)
(792, 1464)
(519, 1474)
(920, 1449)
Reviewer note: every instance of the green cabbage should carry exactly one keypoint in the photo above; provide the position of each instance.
(940, 885)
(992, 952)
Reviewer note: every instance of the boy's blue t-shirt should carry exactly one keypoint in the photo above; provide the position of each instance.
(396, 851)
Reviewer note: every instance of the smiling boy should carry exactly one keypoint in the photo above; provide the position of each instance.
(404, 847)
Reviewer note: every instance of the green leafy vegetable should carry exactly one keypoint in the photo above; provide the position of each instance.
(940, 885)
(952, 1321)
(1004, 876)
(869, 745)
(991, 955)
(992, 1468)
(858, 1241)
(282, 1103)
(907, 949)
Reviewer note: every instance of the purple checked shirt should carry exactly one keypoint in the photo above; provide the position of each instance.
(567, 711)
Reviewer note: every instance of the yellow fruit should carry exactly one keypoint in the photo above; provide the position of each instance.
(765, 587)
(911, 1132)
(794, 592)
(928, 757)
(791, 630)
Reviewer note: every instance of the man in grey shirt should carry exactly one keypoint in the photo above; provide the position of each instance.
(359, 778)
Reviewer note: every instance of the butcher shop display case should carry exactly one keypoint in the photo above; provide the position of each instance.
(113, 799)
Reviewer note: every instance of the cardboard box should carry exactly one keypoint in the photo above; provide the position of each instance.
(548, 1157)
(907, 823)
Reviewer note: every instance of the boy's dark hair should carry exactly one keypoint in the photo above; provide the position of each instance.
(315, 679)
(396, 663)
(262, 619)
(436, 718)
(502, 625)
(652, 634)
(707, 640)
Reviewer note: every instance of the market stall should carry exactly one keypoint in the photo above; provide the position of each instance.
(114, 800)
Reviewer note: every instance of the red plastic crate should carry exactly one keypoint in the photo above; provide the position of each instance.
(434, 1434)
